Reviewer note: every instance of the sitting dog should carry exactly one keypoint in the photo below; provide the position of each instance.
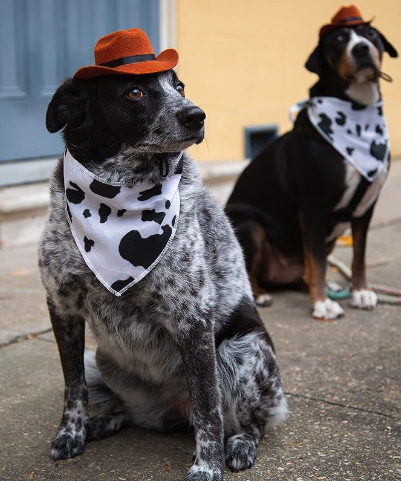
(305, 188)
(136, 247)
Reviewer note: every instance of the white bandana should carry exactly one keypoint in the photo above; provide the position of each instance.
(359, 135)
(121, 231)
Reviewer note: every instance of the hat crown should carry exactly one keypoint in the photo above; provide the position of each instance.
(127, 52)
(122, 43)
(350, 13)
(346, 17)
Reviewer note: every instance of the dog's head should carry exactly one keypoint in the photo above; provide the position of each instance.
(354, 54)
(146, 113)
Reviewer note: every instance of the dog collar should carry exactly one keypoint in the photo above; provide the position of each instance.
(121, 231)
(359, 134)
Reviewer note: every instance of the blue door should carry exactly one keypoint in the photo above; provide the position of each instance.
(42, 42)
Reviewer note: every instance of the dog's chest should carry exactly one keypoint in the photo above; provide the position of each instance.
(136, 329)
(351, 182)
(141, 347)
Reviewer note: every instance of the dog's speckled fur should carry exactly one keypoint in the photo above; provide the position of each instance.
(183, 347)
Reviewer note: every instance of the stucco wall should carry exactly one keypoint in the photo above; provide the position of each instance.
(243, 62)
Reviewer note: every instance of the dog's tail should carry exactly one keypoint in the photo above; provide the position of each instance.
(101, 397)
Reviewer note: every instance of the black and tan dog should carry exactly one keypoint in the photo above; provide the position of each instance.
(300, 193)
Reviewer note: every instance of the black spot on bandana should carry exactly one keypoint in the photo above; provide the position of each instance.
(379, 130)
(89, 243)
(121, 212)
(152, 192)
(371, 173)
(75, 196)
(341, 119)
(358, 129)
(378, 150)
(173, 221)
(105, 190)
(167, 204)
(119, 285)
(86, 213)
(350, 150)
(104, 212)
(325, 125)
(143, 252)
(152, 215)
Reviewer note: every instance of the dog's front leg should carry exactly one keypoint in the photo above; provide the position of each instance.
(313, 233)
(196, 341)
(362, 296)
(69, 331)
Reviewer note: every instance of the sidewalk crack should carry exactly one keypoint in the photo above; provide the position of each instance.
(387, 223)
(24, 337)
(343, 405)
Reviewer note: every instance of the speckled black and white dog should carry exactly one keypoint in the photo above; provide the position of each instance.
(185, 346)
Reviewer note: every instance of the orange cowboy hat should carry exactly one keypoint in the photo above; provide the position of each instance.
(127, 52)
(345, 17)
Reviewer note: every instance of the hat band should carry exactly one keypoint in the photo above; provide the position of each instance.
(128, 60)
(350, 19)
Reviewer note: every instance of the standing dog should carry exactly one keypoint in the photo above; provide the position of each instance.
(302, 191)
(180, 342)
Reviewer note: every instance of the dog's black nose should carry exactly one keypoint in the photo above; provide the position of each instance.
(360, 50)
(192, 117)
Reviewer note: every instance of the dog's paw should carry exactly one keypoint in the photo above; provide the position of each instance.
(364, 299)
(264, 300)
(240, 453)
(66, 445)
(327, 310)
(199, 472)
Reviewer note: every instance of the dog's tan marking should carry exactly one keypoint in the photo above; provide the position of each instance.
(314, 276)
(345, 68)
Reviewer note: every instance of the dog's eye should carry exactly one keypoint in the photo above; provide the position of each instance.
(135, 94)
(371, 33)
(338, 39)
(180, 89)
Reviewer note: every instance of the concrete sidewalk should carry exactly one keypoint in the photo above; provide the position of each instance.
(342, 380)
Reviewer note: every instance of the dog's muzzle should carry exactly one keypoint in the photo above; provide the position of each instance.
(363, 58)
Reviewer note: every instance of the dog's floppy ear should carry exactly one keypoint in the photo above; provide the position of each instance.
(387, 46)
(69, 105)
(313, 64)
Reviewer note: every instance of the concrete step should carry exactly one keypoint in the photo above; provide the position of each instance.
(23, 209)
(22, 213)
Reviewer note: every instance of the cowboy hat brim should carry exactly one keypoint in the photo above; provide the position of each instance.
(330, 26)
(166, 60)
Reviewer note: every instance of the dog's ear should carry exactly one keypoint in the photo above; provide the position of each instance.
(69, 105)
(387, 46)
(314, 64)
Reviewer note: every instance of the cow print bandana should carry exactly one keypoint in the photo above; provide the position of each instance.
(359, 133)
(122, 231)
